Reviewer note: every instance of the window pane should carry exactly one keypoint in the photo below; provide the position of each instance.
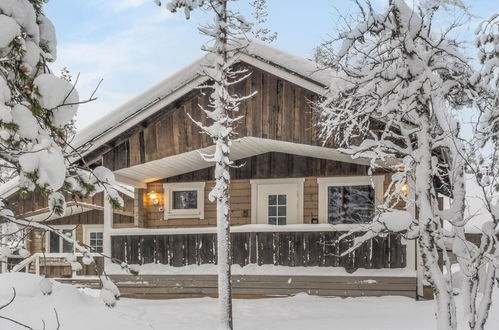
(272, 199)
(54, 243)
(281, 221)
(282, 211)
(67, 247)
(96, 241)
(282, 200)
(272, 211)
(272, 220)
(350, 204)
(184, 200)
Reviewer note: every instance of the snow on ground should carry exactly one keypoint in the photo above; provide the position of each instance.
(80, 311)
(254, 269)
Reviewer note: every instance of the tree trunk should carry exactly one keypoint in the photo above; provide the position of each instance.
(222, 176)
(429, 225)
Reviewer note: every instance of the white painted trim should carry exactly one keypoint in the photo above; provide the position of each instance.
(87, 229)
(124, 191)
(129, 181)
(292, 78)
(171, 213)
(255, 183)
(340, 181)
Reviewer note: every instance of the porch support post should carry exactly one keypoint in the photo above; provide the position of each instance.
(138, 207)
(108, 225)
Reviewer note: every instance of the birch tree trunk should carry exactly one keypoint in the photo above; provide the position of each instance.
(428, 223)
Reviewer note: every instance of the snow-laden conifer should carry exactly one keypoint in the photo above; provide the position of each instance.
(227, 37)
(37, 110)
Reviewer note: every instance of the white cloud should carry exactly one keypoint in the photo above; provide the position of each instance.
(130, 59)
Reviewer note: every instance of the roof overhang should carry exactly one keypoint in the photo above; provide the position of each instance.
(72, 208)
(139, 175)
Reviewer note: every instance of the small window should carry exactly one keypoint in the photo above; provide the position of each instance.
(277, 209)
(350, 204)
(58, 244)
(96, 241)
(185, 200)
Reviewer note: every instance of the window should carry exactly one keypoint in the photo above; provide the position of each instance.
(57, 244)
(184, 200)
(96, 242)
(349, 200)
(94, 237)
(277, 209)
(277, 201)
(350, 204)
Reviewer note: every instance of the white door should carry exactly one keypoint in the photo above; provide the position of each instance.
(277, 204)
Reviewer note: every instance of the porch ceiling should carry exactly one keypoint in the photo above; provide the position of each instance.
(139, 175)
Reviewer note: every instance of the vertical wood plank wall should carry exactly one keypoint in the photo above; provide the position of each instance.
(280, 111)
(293, 249)
(264, 166)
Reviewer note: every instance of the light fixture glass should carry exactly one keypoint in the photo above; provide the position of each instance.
(153, 196)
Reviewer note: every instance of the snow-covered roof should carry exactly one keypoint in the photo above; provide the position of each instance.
(291, 65)
(9, 187)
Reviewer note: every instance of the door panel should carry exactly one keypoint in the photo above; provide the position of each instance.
(282, 205)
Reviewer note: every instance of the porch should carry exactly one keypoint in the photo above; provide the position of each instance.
(267, 261)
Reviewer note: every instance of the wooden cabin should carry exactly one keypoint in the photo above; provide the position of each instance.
(291, 197)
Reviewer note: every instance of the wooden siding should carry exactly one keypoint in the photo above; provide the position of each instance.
(36, 239)
(274, 165)
(279, 111)
(284, 248)
(265, 166)
(37, 202)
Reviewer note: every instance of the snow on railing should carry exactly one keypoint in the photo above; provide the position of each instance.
(26, 263)
(238, 229)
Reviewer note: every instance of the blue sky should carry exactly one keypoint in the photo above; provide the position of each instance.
(133, 44)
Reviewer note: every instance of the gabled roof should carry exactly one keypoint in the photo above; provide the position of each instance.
(289, 67)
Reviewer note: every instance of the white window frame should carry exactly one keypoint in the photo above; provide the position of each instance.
(61, 228)
(171, 213)
(344, 181)
(87, 229)
(258, 183)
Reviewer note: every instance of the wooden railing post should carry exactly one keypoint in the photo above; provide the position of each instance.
(37, 265)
